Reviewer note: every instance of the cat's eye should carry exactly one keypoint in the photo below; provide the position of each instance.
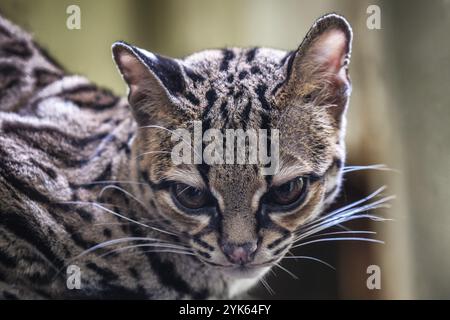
(190, 197)
(289, 193)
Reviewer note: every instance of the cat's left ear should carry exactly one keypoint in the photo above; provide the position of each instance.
(317, 71)
(154, 82)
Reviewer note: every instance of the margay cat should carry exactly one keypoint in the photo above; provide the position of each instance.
(86, 178)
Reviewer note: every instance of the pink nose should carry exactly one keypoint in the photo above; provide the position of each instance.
(239, 254)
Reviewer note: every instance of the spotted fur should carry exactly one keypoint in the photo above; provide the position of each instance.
(80, 166)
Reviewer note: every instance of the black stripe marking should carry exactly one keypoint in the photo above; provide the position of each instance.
(169, 277)
(7, 260)
(255, 70)
(133, 272)
(276, 242)
(5, 31)
(265, 113)
(85, 215)
(89, 96)
(192, 98)
(45, 77)
(9, 76)
(166, 272)
(277, 252)
(264, 221)
(338, 163)
(21, 227)
(195, 77)
(238, 94)
(246, 113)
(202, 243)
(242, 74)
(261, 92)
(23, 187)
(106, 274)
(105, 174)
(224, 110)
(228, 55)
(25, 129)
(251, 54)
(37, 278)
(107, 233)
(119, 292)
(54, 150)
(330, 192)
(211, 97)
(204, 254)
(78, 239)
(290, 56)
(15, 48)
(47, 170)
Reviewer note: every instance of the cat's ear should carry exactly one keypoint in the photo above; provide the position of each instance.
(154, 81)
(317, 71)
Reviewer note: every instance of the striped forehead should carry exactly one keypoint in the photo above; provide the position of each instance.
(229, 84)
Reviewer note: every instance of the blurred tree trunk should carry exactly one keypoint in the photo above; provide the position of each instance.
(419, 39)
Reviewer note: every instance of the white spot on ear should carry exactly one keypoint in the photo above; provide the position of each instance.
(148, 54)
(131, 67)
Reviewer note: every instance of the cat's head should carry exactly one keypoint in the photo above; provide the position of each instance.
(234, 216)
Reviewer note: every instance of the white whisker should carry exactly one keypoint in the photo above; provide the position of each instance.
(342, 232)
(115, 241)
(338, 239)
(159, 245)
(343, 227)
(286, 270)
(123, 191)
(324, 226)
(342, 215)
(152, 152)
(266, 285)
(119, 215)
(170, 251)
(174, 133)
(114, 181)
(380, 167)
(351, 205)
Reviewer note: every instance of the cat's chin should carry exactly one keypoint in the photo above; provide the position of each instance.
(242, 279)
(246, 272)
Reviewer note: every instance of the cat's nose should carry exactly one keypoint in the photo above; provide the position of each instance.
(239, 253)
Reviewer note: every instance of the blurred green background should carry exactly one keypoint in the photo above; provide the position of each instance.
(399, 114)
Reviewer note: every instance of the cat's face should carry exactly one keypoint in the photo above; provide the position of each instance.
(234, 216)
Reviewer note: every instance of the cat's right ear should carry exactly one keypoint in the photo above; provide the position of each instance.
(318, 70)
(154, 81)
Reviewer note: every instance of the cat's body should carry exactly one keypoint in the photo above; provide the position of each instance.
(61, 140)
(73, 160)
